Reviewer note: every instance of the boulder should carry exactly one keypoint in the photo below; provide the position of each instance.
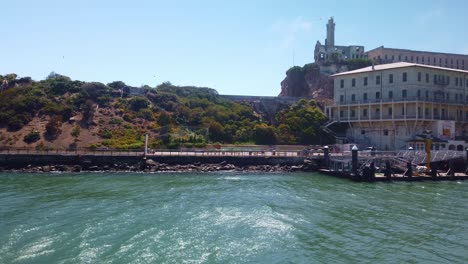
(151, 163)
(76, 168)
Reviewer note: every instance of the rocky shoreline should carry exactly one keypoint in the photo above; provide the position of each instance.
(150, 165)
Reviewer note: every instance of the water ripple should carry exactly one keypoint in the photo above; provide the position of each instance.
(228, 218)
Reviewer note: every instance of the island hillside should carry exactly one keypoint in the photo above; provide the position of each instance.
(61, 113)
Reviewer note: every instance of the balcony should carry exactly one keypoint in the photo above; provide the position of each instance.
(413, 99)
(377, 117)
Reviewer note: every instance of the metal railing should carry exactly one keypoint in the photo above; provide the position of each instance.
(264, 151)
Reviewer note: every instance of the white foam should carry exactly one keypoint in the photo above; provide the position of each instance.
(35, 249)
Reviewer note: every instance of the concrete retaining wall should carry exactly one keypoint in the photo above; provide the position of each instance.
(18, 161)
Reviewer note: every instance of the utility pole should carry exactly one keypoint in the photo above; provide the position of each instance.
(146, 145)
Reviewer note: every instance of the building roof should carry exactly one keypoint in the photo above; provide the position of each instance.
(396, 65)
(417, 51)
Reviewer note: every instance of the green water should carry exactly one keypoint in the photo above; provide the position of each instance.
(229, 218)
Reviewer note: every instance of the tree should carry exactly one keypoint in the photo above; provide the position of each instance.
(88, 111)
(264, 135)
(138, 102)
(53, 127)
(117, 85)
(216, 131)
(76, 131)
(31, 137)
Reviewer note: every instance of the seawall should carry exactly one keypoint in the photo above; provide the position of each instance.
(23, 160)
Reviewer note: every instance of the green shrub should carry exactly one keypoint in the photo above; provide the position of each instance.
(32, 137)
(93, 146)
(115, 121)
(17, 122)
(106, 134)
(53, 127)
(76, 131)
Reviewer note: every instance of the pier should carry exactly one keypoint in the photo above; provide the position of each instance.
(409, 165)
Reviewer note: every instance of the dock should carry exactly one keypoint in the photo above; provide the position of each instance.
(407, 165)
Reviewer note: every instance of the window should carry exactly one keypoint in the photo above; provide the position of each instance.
(364, 96)
(385, 132)
(341, 98)
(363, 132)
(427, 77)
(417, 59)
(377, 95)
(377, 112)
(426, 112)
(419, 94)
(427, 94)
(377, 80)
(365, 81)
(364, 112)
(341, 113)
(353, 112)
(390, 78)
(411, 58)
(456, 97)
(448, 80)
(353, 82)
(341, 83)
(403, 110)
(419, 76)
(390, 111)
(390, 94)
(405, 77)
(353, 97)
(456, 81)
(435, 79)
(399, 57)
(403, 93)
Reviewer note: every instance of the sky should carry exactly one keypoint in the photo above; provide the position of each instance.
(236, 47)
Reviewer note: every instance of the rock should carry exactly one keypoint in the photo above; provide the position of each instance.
(76, 168)
(151, 162)
(106, 167)
(94, 168)
(308, 161)
(61, 167)
(46, 168)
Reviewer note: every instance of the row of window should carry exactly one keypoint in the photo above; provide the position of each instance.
(437, 80)
(404, 94)
(435, 112)
(423, 60)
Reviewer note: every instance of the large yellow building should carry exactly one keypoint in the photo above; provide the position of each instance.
(382, 55)
(390, 105)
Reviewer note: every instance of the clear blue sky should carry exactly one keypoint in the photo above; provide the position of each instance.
(235, 47)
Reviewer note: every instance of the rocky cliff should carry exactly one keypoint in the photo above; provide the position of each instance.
(308, 82)
(314, 81)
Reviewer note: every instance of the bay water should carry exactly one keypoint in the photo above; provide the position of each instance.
(229, 217)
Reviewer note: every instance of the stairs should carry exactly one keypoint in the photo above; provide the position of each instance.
(326, 129)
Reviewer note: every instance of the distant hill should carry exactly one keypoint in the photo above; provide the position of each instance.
(61, 113)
